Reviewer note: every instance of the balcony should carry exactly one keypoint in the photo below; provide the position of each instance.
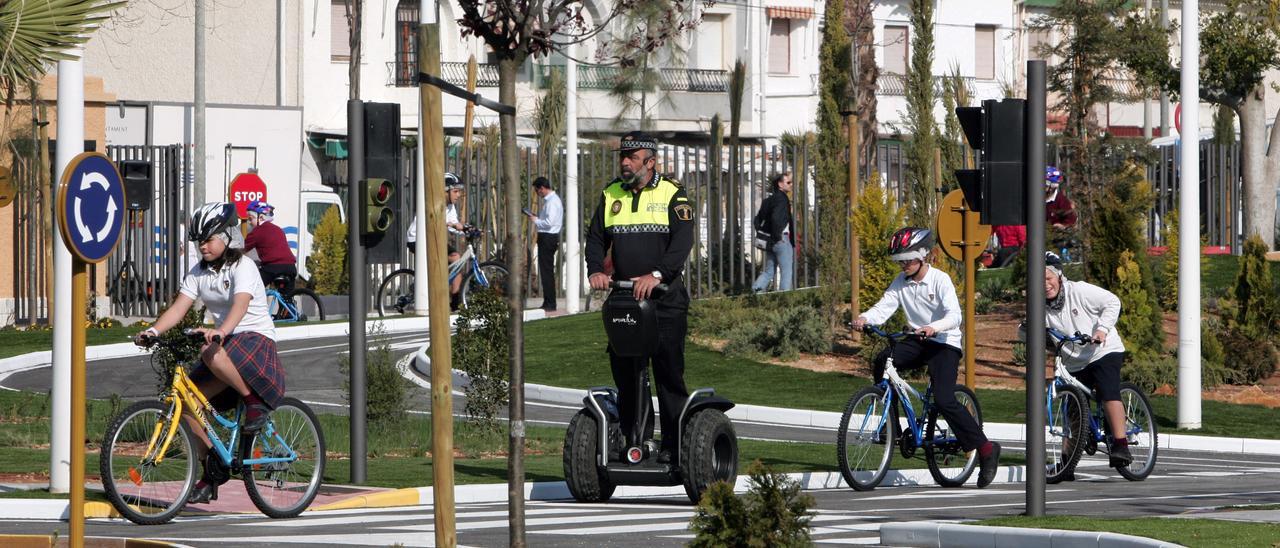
(406, 74)
(669, 79)
(896, 84)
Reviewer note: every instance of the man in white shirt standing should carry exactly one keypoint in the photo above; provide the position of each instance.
(549, 221)
(928, 298)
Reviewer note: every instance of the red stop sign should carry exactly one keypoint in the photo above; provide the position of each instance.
(245, 188)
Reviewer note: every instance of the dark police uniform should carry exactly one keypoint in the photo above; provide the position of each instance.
(650, 230)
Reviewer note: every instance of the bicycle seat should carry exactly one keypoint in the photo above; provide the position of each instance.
(282, 280)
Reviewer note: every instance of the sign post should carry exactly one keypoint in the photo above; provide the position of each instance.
(961, 236)
(91, 219)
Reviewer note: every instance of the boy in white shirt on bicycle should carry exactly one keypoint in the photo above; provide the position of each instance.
(928, 298)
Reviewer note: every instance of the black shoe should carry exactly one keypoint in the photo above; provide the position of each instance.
(1120, 456)
(664, 456)
(203, 493)
(989, 465)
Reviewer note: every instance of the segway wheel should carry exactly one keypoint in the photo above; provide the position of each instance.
(587, 481)
(708, 452)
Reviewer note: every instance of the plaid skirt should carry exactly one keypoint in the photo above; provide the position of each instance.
(255, 358)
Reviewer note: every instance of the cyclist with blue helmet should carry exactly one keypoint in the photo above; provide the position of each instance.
(268, 242)
(1059, 210)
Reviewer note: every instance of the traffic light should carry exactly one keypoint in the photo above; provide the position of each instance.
(375, 200)
(997, 189)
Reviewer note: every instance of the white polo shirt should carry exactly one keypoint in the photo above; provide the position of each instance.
(931, 301)
(217, 287)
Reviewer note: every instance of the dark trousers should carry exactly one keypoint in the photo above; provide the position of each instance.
(269, 272)
(635, 406)
(943, 362)
(548, 243)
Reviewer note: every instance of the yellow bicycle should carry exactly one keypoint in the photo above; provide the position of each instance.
(149, 467)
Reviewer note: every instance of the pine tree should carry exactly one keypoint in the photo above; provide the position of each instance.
(920, 124)
(1255, 291)
(875, 219)
(1139, 319)
(832, 145)
(328, 262)
(955, 93)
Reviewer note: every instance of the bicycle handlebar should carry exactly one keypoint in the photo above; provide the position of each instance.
(190, 333)
(891, 336)
(628, 284)
(1078, 338)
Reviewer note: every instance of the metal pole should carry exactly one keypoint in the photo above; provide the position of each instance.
(441, 347)
(70, 143)
(1146, 101)
(356, 298)
(1033, 174)
(280, 68)
(420, 287)
(572, 210)
(199, 126)
(855, 253)
(1189, 226)
(79, 294)
(1164, 97)
(967, 250)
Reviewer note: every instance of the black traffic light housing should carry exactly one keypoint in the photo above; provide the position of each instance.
(375, 199)
(997, 188)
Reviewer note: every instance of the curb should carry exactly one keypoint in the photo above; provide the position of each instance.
(930, 534)
(45, 541)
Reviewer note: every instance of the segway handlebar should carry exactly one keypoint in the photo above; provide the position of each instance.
(628, 284)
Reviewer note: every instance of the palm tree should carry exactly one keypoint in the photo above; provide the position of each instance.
(36, 33)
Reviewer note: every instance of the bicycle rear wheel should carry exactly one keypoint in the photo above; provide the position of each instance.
(395, 295)
(1066, 425)
(308, 304)
(493, 276)
(143, 488)
(285, 489)
(1140, 425)
(864, 443)
(949, 464)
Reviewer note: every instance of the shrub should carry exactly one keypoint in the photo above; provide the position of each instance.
(875, 220)
(328, 260)
(1169, 268)
(1247, 358)
(715, 317)
(1140, 319)
(386, 391)
(774, 512)
(184, 349)
(780, 334)
(1255, 291)
(1150, 371)
(481, 349)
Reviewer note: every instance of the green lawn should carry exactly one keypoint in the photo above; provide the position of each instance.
(13, 343)
(569, 351)
(1188, 532)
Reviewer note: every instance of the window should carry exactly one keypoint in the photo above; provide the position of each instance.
(780, 46)
(407, 43)
(895, 49)
(708, 43)
(315, 213)
(339, 31)
(1036, 41)
(984, 51)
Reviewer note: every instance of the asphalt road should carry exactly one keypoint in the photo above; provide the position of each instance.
(1183, 482)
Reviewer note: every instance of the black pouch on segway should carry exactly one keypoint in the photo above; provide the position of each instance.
(632, 326)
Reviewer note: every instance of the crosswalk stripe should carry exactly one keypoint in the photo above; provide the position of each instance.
(494, 524)
(618, 529)
(312, 522)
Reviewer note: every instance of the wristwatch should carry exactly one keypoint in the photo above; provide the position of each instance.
(657, 274)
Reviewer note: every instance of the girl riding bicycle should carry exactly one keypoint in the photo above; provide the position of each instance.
(238, 359)
(1080, 307)
(929, 299)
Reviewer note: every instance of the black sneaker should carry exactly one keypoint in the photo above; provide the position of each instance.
(1120, 456)
(989, 465)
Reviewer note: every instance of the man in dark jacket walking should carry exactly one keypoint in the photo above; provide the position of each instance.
(773, 230)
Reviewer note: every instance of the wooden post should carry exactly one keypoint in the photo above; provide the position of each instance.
(79, 294)
(469, 119)
(851, 120)
(438, 282)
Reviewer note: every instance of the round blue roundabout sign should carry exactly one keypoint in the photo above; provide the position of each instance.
(91, 206)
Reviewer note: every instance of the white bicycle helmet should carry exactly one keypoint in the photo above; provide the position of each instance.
(910, 243)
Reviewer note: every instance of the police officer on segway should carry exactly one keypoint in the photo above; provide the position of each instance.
(647, 221)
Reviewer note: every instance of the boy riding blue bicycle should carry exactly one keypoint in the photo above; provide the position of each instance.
(929, 300)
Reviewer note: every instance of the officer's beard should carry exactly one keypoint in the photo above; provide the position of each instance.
(629, 181)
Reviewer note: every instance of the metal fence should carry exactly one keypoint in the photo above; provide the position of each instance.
(32, 230)
(147, 267)
(1221, 199)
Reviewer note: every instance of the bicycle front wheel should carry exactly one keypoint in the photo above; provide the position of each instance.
(491, 275)
(145, 486)
(308, 304)
(1140, 426)
(1065, 432)
(864, 444)
(284, 489)
(949, 464)
(395, 295)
